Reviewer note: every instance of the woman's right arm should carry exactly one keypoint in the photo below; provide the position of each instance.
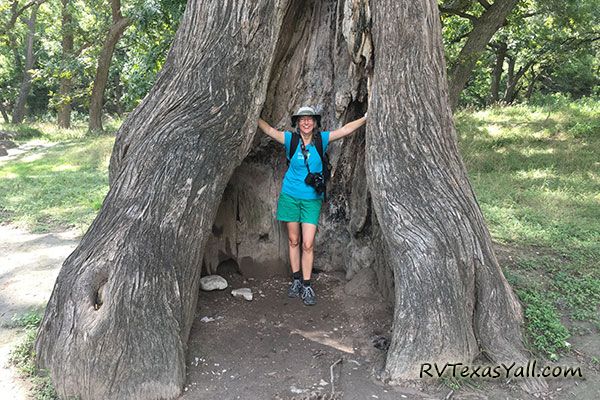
(270, 131)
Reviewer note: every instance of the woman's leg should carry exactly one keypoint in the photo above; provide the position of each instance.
(294, 245)
(308, 239)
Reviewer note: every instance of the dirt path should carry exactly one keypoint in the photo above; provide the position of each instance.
(29, 264)
(269, 348)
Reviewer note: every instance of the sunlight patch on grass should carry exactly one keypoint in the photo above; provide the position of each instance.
(56, 187)
(65, 167)
(536, 175)
(8, 175)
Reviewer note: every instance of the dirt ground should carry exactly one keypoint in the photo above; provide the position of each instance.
(29, 264)
(271, 347)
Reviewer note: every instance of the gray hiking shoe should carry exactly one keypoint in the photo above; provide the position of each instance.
(295, 288)
(308, 296)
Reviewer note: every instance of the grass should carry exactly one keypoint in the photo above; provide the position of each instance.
(22, 357)
(59, 185)
(536, 174)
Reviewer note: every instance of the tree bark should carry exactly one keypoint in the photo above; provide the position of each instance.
(122, 308)
(483, 29)
(119, 24)
(19, 108)
(497, 72)
(117, 323)
(66, 80)
(452, 302)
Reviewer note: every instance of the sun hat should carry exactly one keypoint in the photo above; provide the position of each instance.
(306, 111)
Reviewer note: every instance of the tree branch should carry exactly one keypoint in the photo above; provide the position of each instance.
(459, 38)
(485, 4)
(84, 46)
(451, 11)
(16, 13)
(115, 5)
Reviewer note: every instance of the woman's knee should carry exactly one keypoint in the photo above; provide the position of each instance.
(307, 246)
(294, 241)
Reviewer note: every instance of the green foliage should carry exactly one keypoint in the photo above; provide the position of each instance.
(138, 57)
(543, 323)
(28, 320)
(554, 42)
(22, 357)
(144, 47)
(582, 295)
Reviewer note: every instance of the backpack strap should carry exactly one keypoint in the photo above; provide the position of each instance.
(293, 144)
(324, 161)
(323, 155)
(319, 145)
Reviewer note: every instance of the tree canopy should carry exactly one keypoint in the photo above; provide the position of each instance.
(542, 47)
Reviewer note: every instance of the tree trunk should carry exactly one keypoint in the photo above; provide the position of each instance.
(510, 78)
(497, 72)
(483, 29)
(19, 109)
(531, 86)
(513, 79)
(4, 113)
(452, 302)
(117, 324)
(64, 90)
(119, 24)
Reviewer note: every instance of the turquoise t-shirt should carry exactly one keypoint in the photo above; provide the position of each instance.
(293, 181)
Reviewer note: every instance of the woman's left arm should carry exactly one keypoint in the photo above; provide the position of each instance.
(347, 129)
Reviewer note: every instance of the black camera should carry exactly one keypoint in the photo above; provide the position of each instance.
(317, 181)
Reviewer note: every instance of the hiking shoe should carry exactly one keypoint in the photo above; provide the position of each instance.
(295, 288)
(308, 296)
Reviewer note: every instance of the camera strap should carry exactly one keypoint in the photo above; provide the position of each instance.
(305, 154)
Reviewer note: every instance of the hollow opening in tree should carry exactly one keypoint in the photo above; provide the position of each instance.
(320, 59)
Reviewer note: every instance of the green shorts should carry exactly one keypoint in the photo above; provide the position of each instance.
(291, 209)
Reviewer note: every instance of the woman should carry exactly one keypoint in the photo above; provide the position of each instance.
(299, 203)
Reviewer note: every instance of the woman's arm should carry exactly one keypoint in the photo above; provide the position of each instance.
(347, 129)
(272, 132)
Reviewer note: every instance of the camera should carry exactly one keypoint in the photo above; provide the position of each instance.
(317, 181)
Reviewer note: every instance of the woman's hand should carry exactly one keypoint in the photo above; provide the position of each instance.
(270, 131)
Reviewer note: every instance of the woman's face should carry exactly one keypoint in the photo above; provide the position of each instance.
(306, 124)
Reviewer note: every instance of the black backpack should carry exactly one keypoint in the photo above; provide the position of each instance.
(319, 145)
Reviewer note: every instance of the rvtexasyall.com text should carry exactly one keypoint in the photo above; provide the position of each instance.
(513, 370)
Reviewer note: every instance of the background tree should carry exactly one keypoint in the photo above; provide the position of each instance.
(491, 17)
(538, 40)
(66, 78)
(30, 59)
(119, 24)
(173, 171)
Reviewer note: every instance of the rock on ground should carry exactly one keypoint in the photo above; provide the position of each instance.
(212, 282)
(246, 293)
